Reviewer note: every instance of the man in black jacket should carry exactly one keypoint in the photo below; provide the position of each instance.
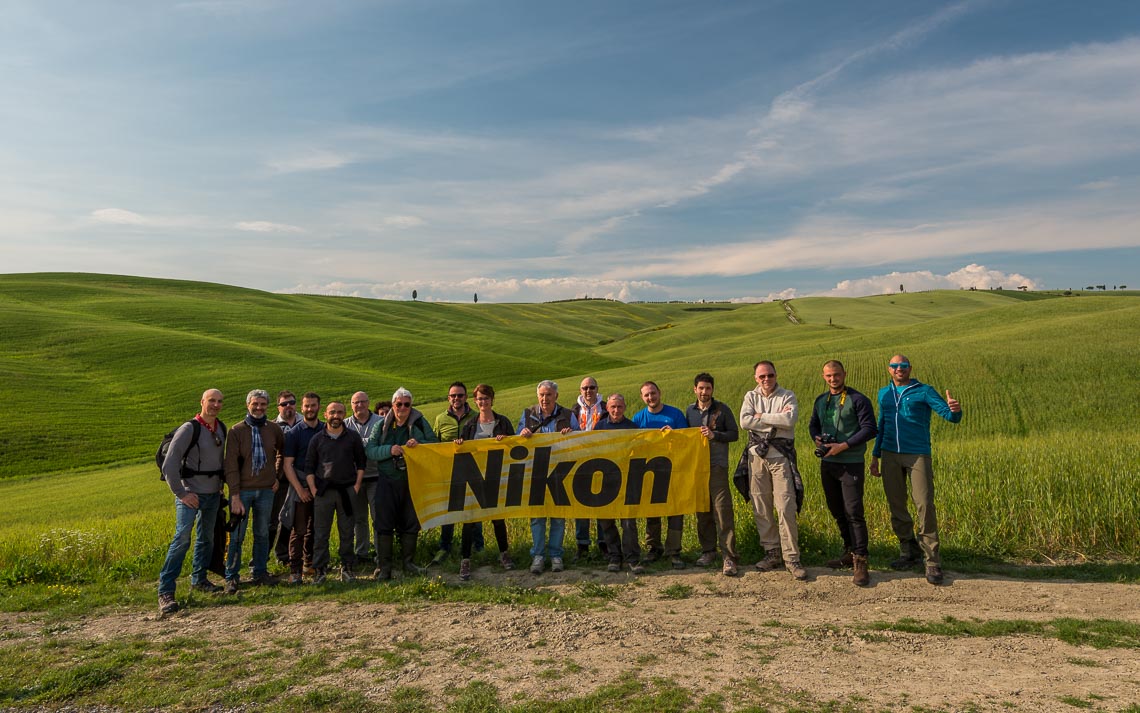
(719, 426)
(335, 464)
(842, 421)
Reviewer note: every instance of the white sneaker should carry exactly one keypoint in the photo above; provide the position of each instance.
(556, 564)
(536, 564)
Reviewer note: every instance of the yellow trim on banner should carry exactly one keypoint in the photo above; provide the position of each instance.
(586, 474)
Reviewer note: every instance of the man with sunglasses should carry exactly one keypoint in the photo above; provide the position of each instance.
(588, 411)
(279, 535)
(448, 426)
(903, 444)
(403, 427)
(769, 414)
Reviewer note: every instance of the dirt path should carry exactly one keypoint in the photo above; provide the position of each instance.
(801, 636)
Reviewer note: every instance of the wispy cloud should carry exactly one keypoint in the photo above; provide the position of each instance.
(403, 221)
(119, 216)
(264, 226)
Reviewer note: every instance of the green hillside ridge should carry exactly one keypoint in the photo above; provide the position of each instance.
(1043, 465)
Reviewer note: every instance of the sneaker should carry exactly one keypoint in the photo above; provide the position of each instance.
(637, 568)
(231, 586)
(465, 570)
(206, 586)
(846, 561)
(265, 580)
(296, 578)
(729, 569)
(505, 561)
(556, 564)
(440, 556)
(797, 571)
(167, 604)
(653, 555)
(536, 564)
(678, 563)
(320, 577)
(346, 574)
(772, 560)
(706, 559)
(613, 567)
(934, 574)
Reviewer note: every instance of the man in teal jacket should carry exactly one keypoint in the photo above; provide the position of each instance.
(903, 444)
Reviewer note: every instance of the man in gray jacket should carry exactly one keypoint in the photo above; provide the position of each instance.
(193, 469)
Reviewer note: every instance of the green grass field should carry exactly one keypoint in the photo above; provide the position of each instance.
(96, 368)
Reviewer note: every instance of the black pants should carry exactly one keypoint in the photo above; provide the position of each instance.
(623, 547)
(843, 488)
(473, 531)
(395, 512)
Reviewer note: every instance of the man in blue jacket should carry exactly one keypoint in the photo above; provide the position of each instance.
(903, 444)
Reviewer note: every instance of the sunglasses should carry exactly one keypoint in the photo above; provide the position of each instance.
(457, 396)
(899, 365)
(283, 404)
(765, 376)
(402, 404)
(589, 388)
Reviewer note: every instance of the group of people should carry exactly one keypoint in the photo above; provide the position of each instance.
(293, 476)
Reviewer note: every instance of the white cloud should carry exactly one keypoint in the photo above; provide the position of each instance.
(493, 290)
(309, 161)
(264, 226)
(403, 221)
(119, 216)
(972, 275)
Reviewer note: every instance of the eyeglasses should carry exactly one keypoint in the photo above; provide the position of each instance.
(283, 404)
(899, 365)
(589, 388)
(765, 376)
(457, 396)
(402, 404)
(483, 398)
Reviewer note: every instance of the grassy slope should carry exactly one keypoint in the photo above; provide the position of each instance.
(1043, 460)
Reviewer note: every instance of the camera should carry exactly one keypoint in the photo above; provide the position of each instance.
(821, 449)
(399, 462)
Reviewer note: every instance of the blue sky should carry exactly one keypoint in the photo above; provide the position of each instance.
(530, 151)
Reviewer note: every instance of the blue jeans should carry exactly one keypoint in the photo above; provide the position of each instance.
(206, 514)
(538, 535)
(258, 505)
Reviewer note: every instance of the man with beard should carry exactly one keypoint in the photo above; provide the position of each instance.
(252, 447)
(660, 415)
(448, 426)
(335, 467)
(286, 418)
(300, 501)
(719, 426)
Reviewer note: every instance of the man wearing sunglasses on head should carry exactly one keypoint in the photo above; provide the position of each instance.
(903, 444)
(278, 535)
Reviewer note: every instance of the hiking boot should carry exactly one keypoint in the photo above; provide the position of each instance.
(729, 569)
(706, 559)
(536, 564)
(934, 574)
(862, 575)
(438, 559)
(465, 569)
(320, 576)
(505, 561)
(383, 573)
(677, 562)
(844, 562)
(613, 567)
(346, 574)
(905, 562)
(772, 560)
(296, 578)
(265, 580)
(206, 586)
(636, 568)
(556, 564)
(231, 586)
(167, 604)
(408, 553)
(653, 555)
(309, 571)
(797, 570)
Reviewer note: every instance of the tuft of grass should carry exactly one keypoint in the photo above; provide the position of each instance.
(677, 591)
(595, 590)
(1098, 633)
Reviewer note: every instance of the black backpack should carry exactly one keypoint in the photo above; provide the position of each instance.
(164, 447)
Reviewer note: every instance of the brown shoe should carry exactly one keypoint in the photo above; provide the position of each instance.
(934, 574)
(797, 570)
(773, 559)
(862, 576)
(844, 562)
(706, 559)
(729, 569)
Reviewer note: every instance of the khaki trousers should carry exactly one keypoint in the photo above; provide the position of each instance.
(774, 494)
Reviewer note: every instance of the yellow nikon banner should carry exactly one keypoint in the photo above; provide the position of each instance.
(588, 474)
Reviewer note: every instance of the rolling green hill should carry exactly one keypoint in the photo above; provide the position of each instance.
(95, 368)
